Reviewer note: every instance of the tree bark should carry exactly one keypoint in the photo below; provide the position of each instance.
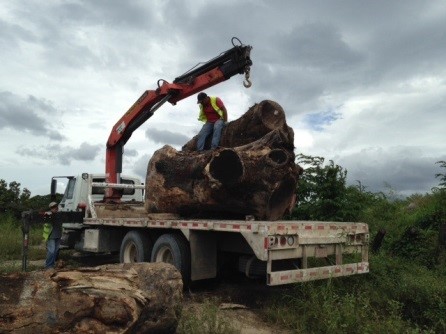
(122, 298)
(257, 179)
(259, 120)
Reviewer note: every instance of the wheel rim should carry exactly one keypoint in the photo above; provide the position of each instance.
(131, 253)
(164, 255)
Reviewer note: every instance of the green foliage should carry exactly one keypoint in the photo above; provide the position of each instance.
(395, 297)
(321, 189)
(12, 200)
(412, 227)
(441, 176)
(40, 203)
(11, 238)
(323, 194)
(420, 291)
(325, 307)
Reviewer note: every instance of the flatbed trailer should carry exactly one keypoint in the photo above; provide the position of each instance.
(285, 251)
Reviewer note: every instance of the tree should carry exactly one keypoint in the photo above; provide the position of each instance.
(441, 176)
(323, 195)
(321, 190)
(13, 200)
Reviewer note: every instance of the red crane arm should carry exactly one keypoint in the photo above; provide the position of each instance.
(231, 62)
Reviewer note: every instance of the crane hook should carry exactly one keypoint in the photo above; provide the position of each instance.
(247, 83)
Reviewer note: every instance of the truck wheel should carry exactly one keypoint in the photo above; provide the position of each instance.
(173, 249)
(135, 247)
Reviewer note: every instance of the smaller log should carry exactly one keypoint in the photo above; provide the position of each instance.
(121, 298)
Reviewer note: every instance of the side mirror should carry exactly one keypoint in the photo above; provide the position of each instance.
(53, 189)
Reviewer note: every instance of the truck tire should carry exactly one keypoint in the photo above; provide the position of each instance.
(173, 249)
(135, 247)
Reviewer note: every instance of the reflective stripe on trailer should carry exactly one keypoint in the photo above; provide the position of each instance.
(303, 275)
(296, 227)
(235, 226)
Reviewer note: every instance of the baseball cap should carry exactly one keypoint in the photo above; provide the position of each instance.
(52, 205)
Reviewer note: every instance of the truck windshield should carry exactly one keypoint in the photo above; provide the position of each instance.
(69, 190)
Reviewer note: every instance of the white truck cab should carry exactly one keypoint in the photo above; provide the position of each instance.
(78, 189)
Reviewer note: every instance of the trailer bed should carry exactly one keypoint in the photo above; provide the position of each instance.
(270, 241)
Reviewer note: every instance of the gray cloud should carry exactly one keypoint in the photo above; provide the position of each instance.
(64, 155)
(404, 169)
(166, 137)
(139, 167)
(364, 80)
(130, 153)
(28, 115)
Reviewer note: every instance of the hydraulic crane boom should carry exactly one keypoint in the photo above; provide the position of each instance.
(231, 62)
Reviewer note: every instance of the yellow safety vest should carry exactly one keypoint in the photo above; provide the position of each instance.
(202, 115)
(47, 228)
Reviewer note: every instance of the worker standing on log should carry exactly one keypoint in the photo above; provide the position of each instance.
(52, 232)
(213, 112)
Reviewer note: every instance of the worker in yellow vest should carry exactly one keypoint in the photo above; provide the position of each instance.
(214, 115)
(52, 233)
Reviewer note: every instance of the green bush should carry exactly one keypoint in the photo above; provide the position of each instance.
(395, 297)
(324, 307)
(420, 292)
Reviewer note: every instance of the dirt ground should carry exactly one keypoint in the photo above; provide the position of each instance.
(239, 300)
(245, 319)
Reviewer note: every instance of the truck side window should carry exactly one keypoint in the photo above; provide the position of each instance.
(70, 188)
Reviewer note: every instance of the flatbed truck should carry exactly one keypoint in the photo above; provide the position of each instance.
(282, 251)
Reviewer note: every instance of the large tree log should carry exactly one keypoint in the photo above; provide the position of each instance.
(256, 179)
(259, 120)
(123, 298)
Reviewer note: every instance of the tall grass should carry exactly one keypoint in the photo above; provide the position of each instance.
(320, 307)
(395, 297)
(11, 239)
(420, 291)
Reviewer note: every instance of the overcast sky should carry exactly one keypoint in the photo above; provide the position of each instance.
(361, 82)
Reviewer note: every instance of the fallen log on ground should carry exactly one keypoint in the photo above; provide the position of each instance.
(257, 179)
(122, 298)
